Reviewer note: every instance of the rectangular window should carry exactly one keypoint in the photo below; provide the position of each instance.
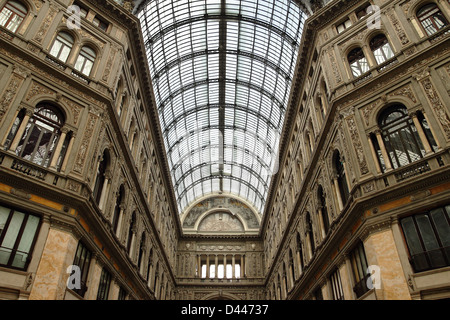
(359, 268)
(336, 286)
(344, 25)
(103, 287)
(18, 233)
(82, 260)
(122, 294)
(427, 236)
(100, 24)
(83, 10)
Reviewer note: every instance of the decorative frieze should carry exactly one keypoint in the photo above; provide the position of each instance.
(10, 93)
(45, 25)
(334, 66)
(397, 26)
(356, 141)
(437, 105)
(37, 89)
(83, 150)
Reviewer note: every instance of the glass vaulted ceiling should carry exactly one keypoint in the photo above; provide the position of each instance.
(221, 73)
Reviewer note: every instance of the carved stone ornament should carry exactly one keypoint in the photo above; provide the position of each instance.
(9, 94)
(356, 141)
(45, 25)
(83, 150)
(37, 89)
(436, 103)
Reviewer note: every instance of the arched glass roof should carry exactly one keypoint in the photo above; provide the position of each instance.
(221, 73)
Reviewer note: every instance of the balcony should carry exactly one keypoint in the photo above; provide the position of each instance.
(220, 281)
(428, 164)
(15, 165)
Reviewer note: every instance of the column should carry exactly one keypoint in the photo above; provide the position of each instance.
(422, 135)
(347, 174)
(207, 266)
(9, 127)
(431, 129)
(242, 266)
(308, 245)
(338, 193)
(51, 275)
(233, 265)
(119, 223)
(21, 130)
(216, 266)
(368, 54)
(105, 189)
(57, 153)
(387, 160)
(199, 266)
(69, 150)
(374, 154)
(133, 240)
(322, 227)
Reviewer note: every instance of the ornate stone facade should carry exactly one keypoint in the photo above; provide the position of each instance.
(341, 187)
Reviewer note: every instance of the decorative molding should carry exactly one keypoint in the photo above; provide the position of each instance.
(356, 141)
(45, 24)
(83, 149)
(437, 105)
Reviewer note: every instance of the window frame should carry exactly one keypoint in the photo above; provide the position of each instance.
(336, 285)
(381, 47)
(64, 44)
(392, 130)
(359, 265)
(420, 238)
(84, 268)
(19, 236)
(41, 123)
(15, 13)
(429, 15)
(104, 285)
(83, 57)
(357, 61)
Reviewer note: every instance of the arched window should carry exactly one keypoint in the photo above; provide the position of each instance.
(14, 128)
(12, 15)
(116, 213)
(41, 135)
(85, 60)
(310, 233)
(156, 279)
(100, 177)
(431, 18)
(150, 265)
(130, 231)
(299, 253)
(381, 48)
(341, 177)
(400, 136)
(323, 210)
(62, 46)
(427, 130)
(291, 266)
(141, 251)
(358, 62)
(285, 282)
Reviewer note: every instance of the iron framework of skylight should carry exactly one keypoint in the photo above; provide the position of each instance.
(221, 72)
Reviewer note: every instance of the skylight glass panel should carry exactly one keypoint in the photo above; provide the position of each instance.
(246, 71)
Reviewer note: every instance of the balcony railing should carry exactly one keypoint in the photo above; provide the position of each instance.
(412, 170)
(10, 162)
(431, 259)
(28, 169)
(361, 287)
(220, 281)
